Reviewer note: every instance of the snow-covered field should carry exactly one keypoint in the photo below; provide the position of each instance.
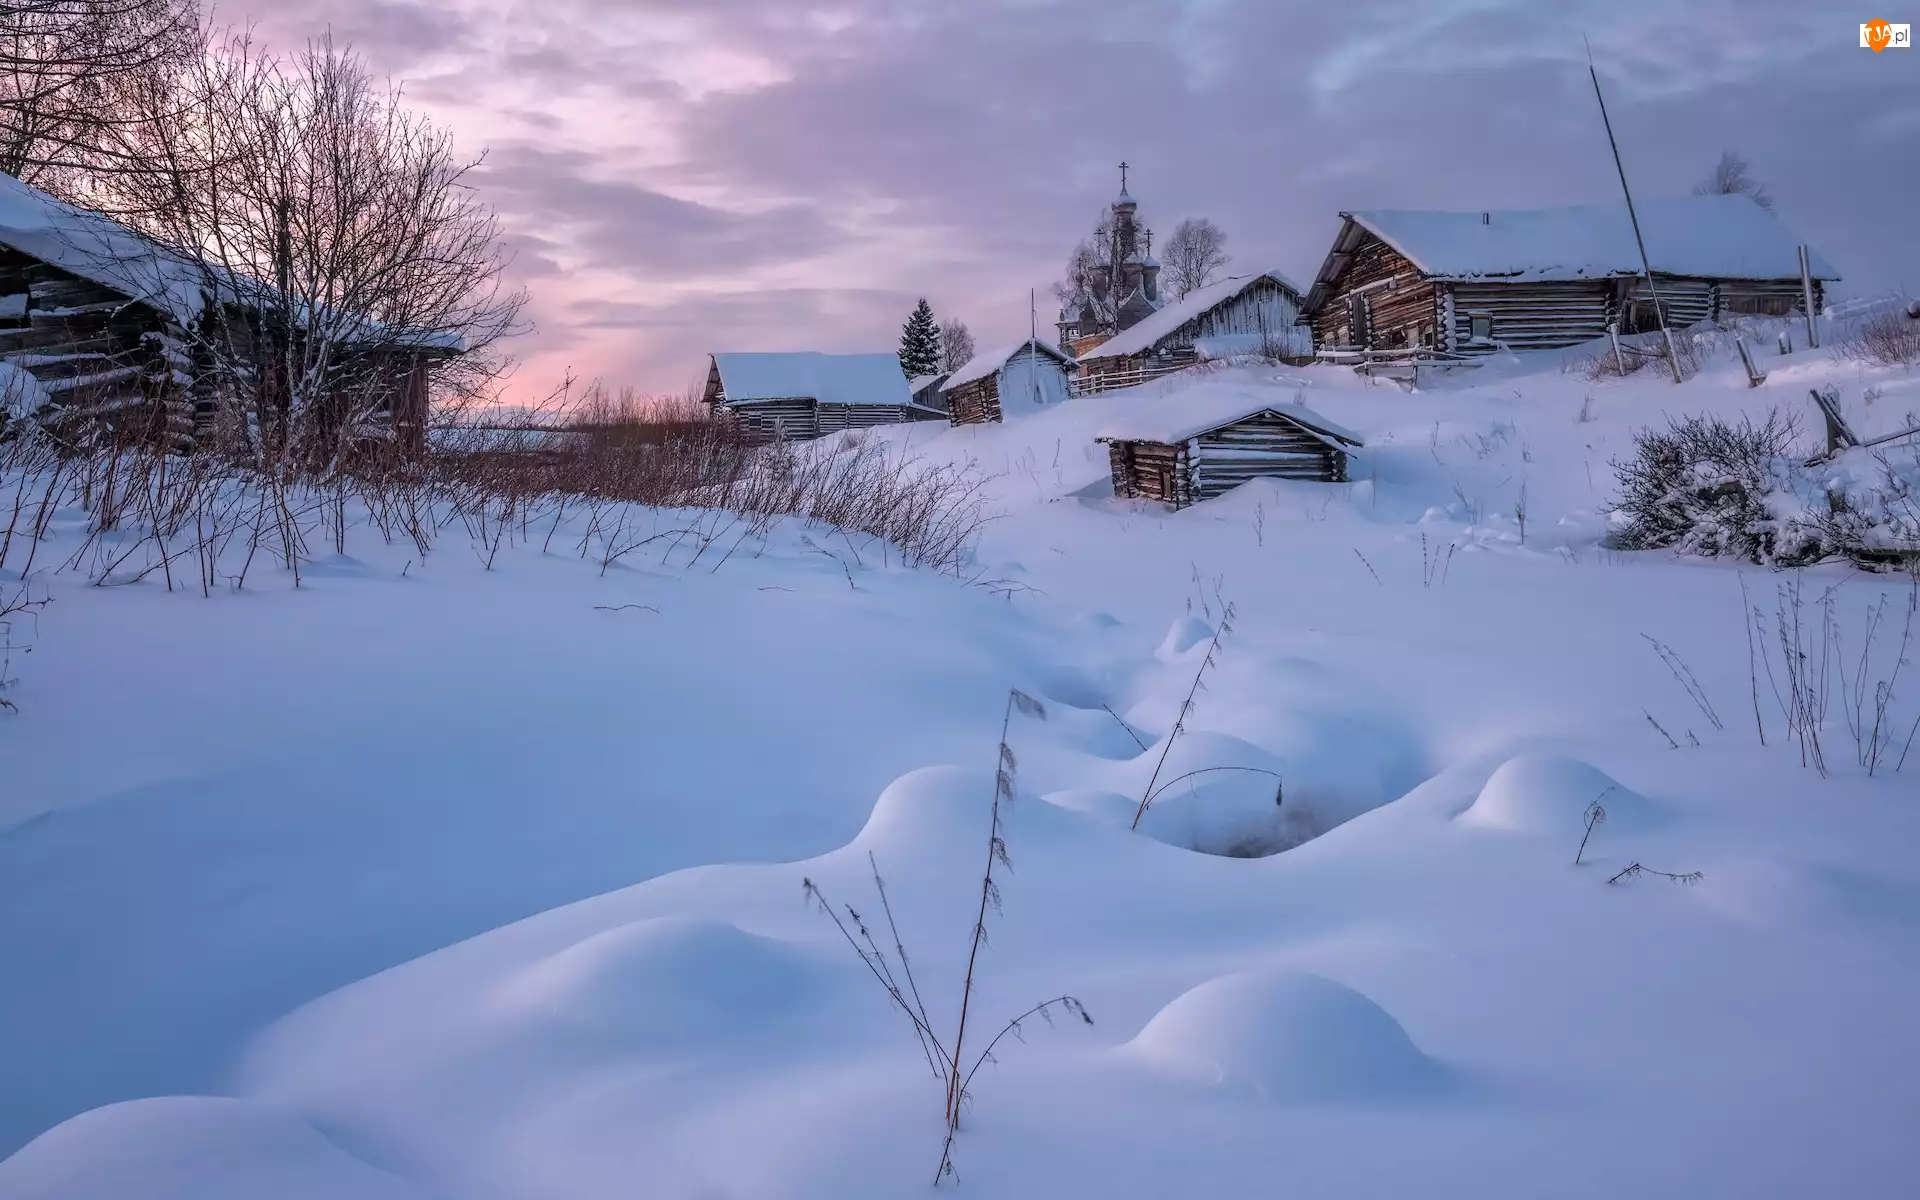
(428, 880)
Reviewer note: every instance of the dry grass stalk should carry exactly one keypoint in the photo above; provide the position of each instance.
(893, 970)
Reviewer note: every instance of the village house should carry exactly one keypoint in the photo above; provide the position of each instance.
(1469, 283)
(1247, 314)
(1123, 284)
(807, 394)
(1184, 454)
(113, 326)
(1024, 375)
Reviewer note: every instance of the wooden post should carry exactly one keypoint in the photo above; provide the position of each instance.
(1839, 435)
(1806, 295)
(1619, 361)
(1755, 377)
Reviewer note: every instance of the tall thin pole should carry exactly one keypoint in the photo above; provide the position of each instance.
(1659, 310)
(1033, 345)
(1806, 298)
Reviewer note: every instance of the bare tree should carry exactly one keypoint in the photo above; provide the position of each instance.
(346, 270)
(956, 344)
(1194, 255)
(1094, 263)
(67, 72)
(1733, 176)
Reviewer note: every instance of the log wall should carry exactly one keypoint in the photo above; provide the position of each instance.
(1262, 446)
(1216, 462)
(95, 352)
(975, 403)
(802, 418)
(1530, 316)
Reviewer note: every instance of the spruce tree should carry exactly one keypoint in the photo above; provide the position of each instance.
(920, 342)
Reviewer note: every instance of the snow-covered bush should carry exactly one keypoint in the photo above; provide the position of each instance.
(1708, 486)
(1719, 489)
(1868, 505)
(1889, 338)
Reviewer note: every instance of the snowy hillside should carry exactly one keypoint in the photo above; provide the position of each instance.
(426, 879)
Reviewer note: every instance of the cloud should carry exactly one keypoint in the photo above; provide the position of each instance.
(681, 175)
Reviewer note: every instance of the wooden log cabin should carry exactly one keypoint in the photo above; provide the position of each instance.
(1181, 457)
(1468, 283)
(1024, 375)
(806, 394)
(1246, 314)
(113, 327)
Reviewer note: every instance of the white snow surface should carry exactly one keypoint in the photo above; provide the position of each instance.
(828, 378)
(1142, 336)
(1713, 237)
(424, 879)
(991, 360)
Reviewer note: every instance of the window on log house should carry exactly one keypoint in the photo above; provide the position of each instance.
(1480, 327)
(1360, 321)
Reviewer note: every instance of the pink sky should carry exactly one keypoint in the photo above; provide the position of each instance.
(679, 176)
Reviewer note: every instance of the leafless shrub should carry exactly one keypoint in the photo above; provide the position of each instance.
(1701, 486)
(1640, 351)
(17, 603)
(1633, 870)
(1885, 339)
(892, 969)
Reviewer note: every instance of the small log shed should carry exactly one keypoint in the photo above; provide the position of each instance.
(1024, 375)
(1182, 458)
(806, 394)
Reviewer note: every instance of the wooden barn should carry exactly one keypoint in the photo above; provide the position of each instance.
(1243, 315)
(806, 394)
(928, 391)
(1473, 282)
(1025, 375)
(1181, 456)
(106, 322)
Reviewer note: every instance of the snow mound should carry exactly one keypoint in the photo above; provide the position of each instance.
(1202, 802)
(191, 1148)
(1286, 1036)
(1182, 636)
(1548, 793)
(662, 981)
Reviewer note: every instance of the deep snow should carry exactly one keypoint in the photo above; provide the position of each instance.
(455, 884)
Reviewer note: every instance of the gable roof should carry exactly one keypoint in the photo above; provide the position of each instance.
(97, 248)
(1195, 304)
(1190, 417)
(101, 250)
(1705, 237)
(810, 375)
(988, 362)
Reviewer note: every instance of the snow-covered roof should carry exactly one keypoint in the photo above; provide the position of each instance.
(1142, 336)
(920, 383)
(99, 249)
(1190, 416)
(989, 361)
(809, 374)
(1710, 237)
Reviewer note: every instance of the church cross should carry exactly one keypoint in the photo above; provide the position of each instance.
(1123, 176)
